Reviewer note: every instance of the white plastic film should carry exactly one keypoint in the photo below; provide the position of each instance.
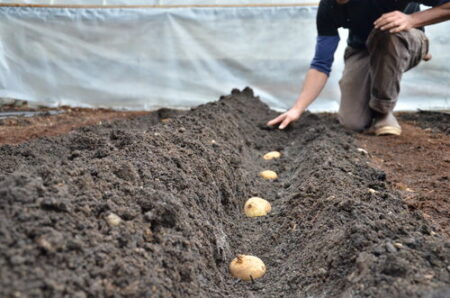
(159, 2)
(145, 58)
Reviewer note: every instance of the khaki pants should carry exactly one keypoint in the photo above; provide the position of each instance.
(370, 82)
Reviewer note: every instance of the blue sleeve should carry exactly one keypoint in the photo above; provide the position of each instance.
(325, 48)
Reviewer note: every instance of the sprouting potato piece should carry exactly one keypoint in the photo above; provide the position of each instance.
(269, 175)
(257, 207)
(247, 267)
(272, 155)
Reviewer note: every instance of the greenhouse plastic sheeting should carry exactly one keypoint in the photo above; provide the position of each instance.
(159, 2)
(145, 58)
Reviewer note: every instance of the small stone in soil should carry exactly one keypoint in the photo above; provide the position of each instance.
(113, 220)
(398, 245)
(390, 247)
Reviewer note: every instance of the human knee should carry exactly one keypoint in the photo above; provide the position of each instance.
(383, 37)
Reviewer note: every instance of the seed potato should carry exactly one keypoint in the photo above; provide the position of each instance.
(247, 267)
(272, 155)
(268, 175)
(257, 207)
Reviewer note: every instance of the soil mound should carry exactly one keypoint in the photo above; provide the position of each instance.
(176, 191)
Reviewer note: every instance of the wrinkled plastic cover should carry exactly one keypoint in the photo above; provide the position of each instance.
(145, 58)
(159, 2)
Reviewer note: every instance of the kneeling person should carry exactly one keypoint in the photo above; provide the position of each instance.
(385, 40)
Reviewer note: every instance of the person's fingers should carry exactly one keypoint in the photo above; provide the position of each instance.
(400, 28)
(390, 23)
(382, 20)
(387, 19)
(384, 23)
(276, 120)
(379, 22)
(427, 57)
(285, 123)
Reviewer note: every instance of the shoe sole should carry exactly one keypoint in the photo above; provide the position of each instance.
(388, 130)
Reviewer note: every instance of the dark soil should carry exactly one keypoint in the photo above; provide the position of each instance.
(436, 121)
(16, 130)
(417, 164)
(180, 186)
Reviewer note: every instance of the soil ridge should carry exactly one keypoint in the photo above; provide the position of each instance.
(179, 188)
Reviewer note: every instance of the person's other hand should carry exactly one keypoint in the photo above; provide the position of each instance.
(286, 118)
(395, 21)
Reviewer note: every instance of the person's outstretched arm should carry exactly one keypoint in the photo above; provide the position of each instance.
(397, 21)
(314, 82)
(317, 76)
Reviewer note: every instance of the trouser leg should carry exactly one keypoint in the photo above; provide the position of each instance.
(390, 56)
(354, 112)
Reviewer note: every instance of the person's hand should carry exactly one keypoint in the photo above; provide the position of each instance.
(286, 118)
(395, 21)
(427, 57)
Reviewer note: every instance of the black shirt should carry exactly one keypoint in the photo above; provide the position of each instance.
(358, 16)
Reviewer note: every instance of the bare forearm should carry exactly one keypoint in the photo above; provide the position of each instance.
(431, 16)
(312, 86)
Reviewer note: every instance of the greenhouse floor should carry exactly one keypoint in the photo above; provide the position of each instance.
(344, 221)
